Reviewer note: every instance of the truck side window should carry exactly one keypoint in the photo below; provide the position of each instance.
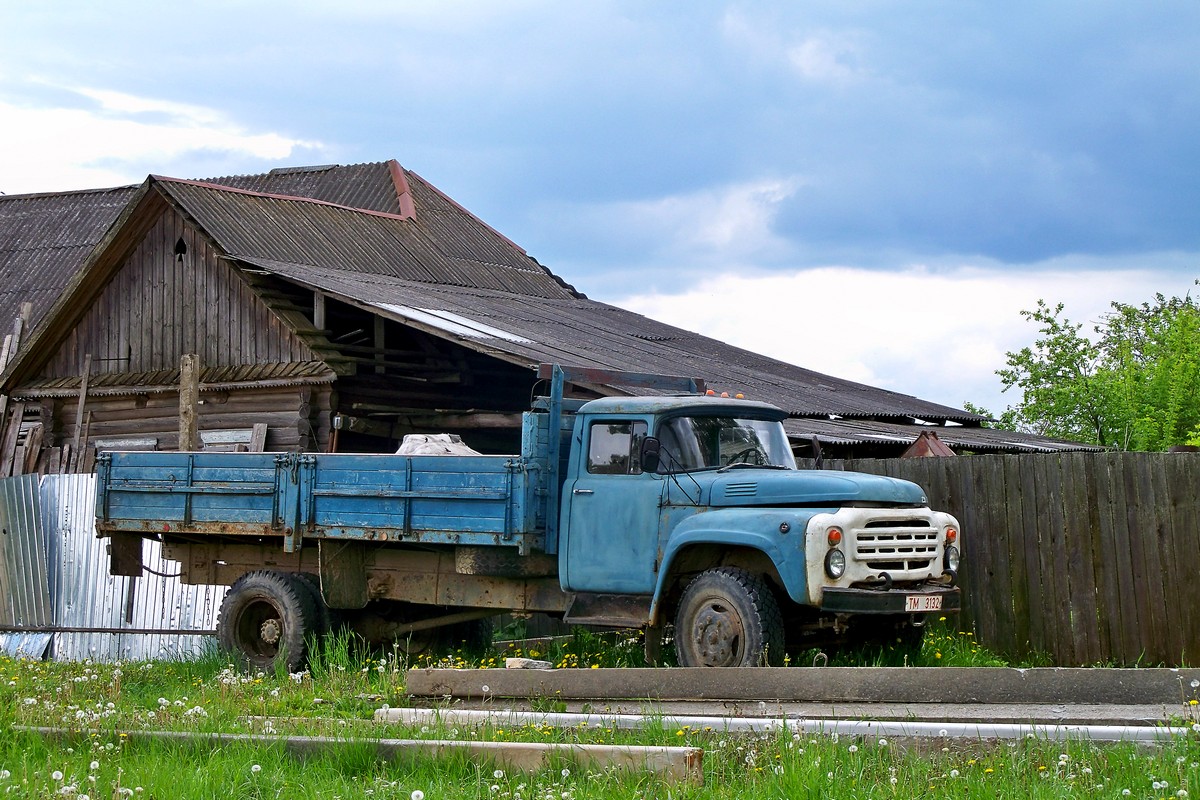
(613, 447)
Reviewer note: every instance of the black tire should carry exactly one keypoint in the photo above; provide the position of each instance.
(473, 637)
(728, 617)
(326, 619)
(267, 619)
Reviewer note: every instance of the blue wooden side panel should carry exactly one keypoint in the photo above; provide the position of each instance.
(486, 500)
(187, 488)
(420, 496)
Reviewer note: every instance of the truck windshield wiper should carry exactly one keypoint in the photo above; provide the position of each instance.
(744, 465)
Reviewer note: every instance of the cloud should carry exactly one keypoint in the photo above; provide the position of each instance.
(826, 57)
(935, 333)
(85, 137)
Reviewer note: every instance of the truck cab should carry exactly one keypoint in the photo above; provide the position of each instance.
(691, 510)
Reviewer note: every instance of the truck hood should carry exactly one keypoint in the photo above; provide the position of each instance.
(760, 487)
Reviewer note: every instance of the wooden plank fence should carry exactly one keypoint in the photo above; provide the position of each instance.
(1086, 557)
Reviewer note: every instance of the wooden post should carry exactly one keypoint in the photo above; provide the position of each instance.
(8, 445)
(79, 409)
(380, 346)
(258, 438)
(319, 310)
(189, 401)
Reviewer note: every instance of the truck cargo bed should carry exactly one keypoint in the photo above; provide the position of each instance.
(469, 500)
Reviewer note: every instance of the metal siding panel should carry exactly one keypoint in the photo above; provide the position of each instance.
(56, 573)
(87, 596)
(23, 559)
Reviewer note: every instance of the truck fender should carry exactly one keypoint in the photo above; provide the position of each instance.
(785, 553)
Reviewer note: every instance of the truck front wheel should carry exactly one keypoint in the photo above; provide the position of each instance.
(265, 620)
(728, 617)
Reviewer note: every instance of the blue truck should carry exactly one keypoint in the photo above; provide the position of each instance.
(679, 511)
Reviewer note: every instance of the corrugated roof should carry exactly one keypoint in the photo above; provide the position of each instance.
(45, 239)
(367, 186)
(850, 432)
(301, 231)
(588, 333)
(385, 239)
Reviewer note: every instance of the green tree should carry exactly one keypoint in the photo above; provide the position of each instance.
(1134, 383)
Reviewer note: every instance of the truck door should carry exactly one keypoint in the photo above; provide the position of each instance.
(612, 514)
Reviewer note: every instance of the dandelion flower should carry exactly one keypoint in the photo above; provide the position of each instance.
(255, 769)
(498, 774)
(418, 795)
(94, 765)
(853, 748)
(56, 775)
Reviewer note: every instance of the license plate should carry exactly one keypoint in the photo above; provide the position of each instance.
(923, 602)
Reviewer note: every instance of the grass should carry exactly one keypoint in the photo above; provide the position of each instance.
(942, 646)
(341, 690)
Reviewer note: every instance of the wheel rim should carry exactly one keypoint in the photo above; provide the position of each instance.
(717, 634)
(259, 631)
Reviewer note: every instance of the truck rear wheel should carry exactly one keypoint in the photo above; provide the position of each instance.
(266, 619)
(728, 617)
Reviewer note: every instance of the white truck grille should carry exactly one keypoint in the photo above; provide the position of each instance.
(896, 546)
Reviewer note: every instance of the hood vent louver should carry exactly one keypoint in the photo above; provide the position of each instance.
(748, 489)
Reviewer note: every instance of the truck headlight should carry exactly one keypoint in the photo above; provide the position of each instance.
(835, 563)
(951, 558)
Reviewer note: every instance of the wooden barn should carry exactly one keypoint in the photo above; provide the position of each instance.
(340, 308)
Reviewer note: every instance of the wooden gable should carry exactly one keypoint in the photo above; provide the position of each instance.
(174, 293)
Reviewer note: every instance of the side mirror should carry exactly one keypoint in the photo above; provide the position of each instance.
(650, 454)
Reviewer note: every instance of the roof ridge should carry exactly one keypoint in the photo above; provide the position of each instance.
(69, 192)
(204, 184)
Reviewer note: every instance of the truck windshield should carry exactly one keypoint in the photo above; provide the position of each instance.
(692, 443)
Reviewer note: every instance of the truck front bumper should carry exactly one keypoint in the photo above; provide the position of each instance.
(919, 600)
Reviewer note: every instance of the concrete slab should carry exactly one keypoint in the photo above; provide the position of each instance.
(1016, 713)
(909, 730)
(960, 685)
(680, 764)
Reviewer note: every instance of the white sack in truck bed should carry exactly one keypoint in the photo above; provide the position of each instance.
(435, 444)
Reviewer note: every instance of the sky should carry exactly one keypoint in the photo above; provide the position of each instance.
(873, 190)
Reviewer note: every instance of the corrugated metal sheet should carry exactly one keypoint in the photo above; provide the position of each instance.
(24, 573)
(65, 568)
